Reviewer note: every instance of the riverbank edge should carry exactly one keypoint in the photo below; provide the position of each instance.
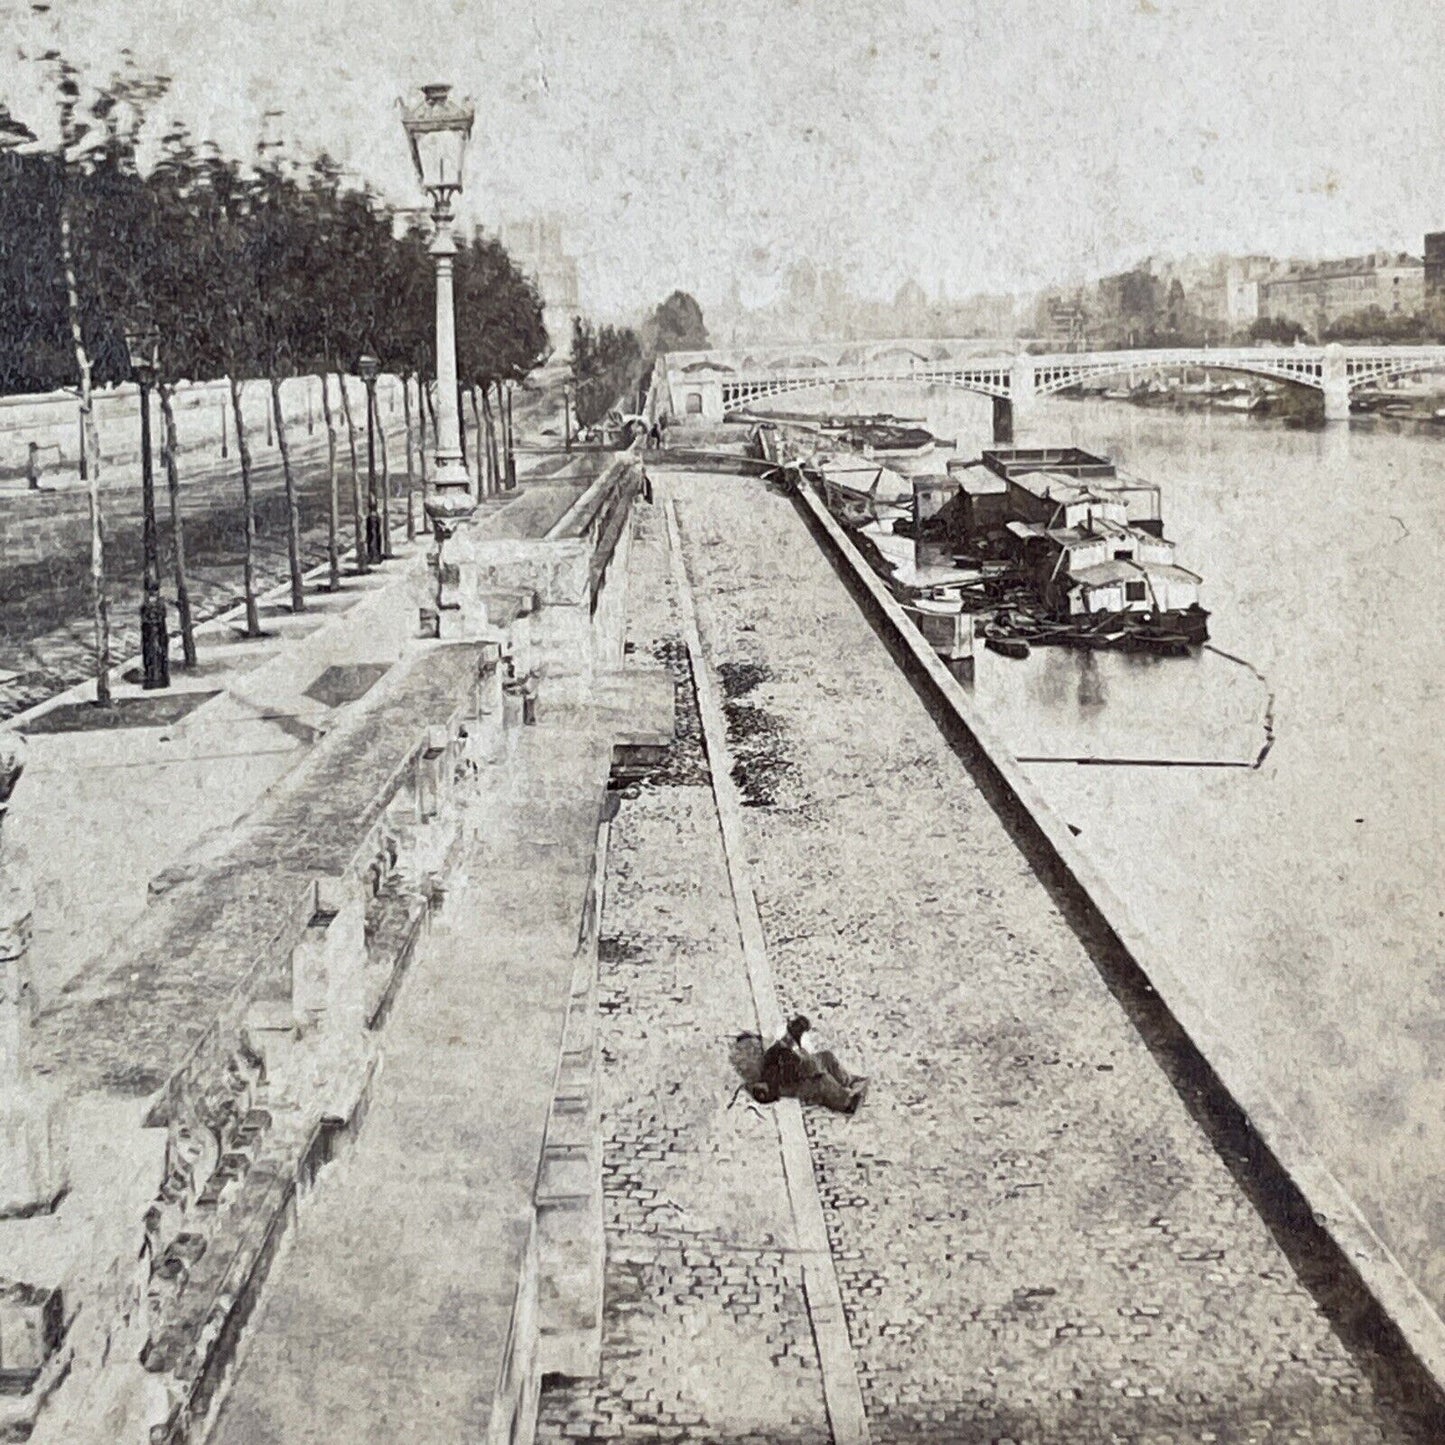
(1292, 1187)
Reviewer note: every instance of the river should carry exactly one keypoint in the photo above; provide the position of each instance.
(1302, 893)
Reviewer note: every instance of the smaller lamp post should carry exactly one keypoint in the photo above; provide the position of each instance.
(143, 344)
(511, 436)
(567, 416)
(367, 368)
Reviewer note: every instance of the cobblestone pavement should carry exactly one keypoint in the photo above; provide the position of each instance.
(1035, 1240)
(706, 1331)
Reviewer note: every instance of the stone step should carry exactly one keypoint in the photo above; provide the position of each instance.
(567, 1180)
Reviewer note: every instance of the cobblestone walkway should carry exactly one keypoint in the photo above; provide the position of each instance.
(1035, 1240)
(706, 1331)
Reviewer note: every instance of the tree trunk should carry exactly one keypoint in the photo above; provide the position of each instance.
(511, 442)
(429, 392)
(91, 439)
(492, 466)
(293, 511)
(248, 566)
(486, 480)
(410, 467)
(178, 531)
(504, 420)
(494, 436)
(358, 526)
(333, 501)
(385, 487)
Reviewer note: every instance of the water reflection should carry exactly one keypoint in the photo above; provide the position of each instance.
(1092, 692)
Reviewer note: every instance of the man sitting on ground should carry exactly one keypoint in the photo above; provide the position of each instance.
(790, 1066)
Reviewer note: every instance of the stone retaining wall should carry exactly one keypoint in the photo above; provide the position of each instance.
(52, 422)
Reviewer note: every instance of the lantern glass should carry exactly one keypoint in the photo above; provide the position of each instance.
(367, 368)
(438, 130)
(144, 345)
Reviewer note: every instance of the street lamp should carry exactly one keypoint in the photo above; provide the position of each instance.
(143, 344)
(367, 368)
(437, 130)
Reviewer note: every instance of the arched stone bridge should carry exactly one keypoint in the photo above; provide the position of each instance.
(710, 384)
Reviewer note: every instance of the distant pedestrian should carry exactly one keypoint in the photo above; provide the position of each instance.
(646, 487)
(792, 1067)
(32, 467)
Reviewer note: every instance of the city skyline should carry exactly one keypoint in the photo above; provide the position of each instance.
(702, 151)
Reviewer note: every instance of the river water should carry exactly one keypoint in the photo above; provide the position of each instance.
(1302, 894)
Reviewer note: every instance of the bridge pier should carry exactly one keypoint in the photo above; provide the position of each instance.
(1010, 413)
(1334, 379)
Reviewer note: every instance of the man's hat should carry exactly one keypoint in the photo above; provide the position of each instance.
(798, 1025)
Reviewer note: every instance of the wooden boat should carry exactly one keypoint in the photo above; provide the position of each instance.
(1014, 647)
(945, 626)
(1161, 644)
(888, 438)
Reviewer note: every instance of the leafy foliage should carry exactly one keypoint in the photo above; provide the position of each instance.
(676, 325)
(1278, 330)
(606, 365)
(1373, 324)
(261, 269)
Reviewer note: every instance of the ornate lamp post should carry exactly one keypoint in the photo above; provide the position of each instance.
(438, 129)
(367, 368)
(143, 345)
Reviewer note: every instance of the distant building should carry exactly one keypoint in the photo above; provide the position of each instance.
(1435, 266)
(1319, 294)
(1224, 293)
(536, 247)
(1063, 322)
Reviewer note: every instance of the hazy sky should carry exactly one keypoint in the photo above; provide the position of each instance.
(979, 146)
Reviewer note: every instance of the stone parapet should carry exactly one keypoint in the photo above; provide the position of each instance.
(215, 1062)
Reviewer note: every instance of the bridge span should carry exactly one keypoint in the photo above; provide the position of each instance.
(709, 384)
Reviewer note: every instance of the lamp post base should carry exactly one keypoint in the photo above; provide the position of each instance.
(154, 644)
(375, 550)
(451, 472)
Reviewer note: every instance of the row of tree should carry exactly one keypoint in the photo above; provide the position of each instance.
(609, 363)
(250, 271)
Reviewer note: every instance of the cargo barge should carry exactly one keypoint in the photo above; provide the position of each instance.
(1037, 546)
